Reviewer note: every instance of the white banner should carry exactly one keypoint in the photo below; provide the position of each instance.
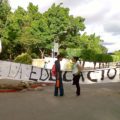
(17, 71)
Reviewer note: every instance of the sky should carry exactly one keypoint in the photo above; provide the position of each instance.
(102, 17)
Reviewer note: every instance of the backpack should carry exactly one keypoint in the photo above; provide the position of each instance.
(53, 70)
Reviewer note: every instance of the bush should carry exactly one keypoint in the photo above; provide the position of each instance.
(34, 56)
(24, 58)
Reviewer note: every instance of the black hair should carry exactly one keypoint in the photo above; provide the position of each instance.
(76, 58)
(59, 56)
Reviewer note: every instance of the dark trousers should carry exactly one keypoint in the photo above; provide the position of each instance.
(60, 88)
(76, 82)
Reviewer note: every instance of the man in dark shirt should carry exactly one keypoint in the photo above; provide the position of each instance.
(58, 77)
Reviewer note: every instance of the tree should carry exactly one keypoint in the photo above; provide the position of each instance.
(91, 46)
(33, 32)
(39, 33)
(4, 11)
(63, 27)
(54, 25)
(11, 32)
(92, 42)
(88, 55)
(103, 58)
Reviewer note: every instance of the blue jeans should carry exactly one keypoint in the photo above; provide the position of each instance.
(60, 88)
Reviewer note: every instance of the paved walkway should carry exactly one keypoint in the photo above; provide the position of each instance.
(97, 102)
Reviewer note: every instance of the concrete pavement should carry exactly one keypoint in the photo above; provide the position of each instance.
(97, 102)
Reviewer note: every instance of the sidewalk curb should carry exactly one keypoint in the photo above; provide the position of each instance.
(8, 90)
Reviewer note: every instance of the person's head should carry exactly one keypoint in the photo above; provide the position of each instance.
(60, 57)
(75, 59)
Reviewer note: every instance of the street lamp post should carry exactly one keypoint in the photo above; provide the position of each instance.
(55, 49)
(56, 43)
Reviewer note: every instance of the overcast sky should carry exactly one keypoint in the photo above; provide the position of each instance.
(101, 16)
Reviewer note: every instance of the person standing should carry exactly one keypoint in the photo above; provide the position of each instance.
(76, 74)
(59, 82)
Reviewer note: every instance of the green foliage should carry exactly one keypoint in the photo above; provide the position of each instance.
(91, 42)
(104, 58)
(63, 52)
(116, 58)
(33, 32)
(64, 28)
(88, 55)
(34, 56)
(117, 54)
(4, 12)
(73, 52)
(108, 58)
(24, 58)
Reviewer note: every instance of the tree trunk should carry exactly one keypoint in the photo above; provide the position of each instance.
(103, 65)
(42, 53)
(99, 65)
(10, 57)
(83, 64)
(108, 64)
(94, 65)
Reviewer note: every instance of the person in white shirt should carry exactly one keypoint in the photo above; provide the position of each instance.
(76, 74)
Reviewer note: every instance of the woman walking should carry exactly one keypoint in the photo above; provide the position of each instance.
(76, 74)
